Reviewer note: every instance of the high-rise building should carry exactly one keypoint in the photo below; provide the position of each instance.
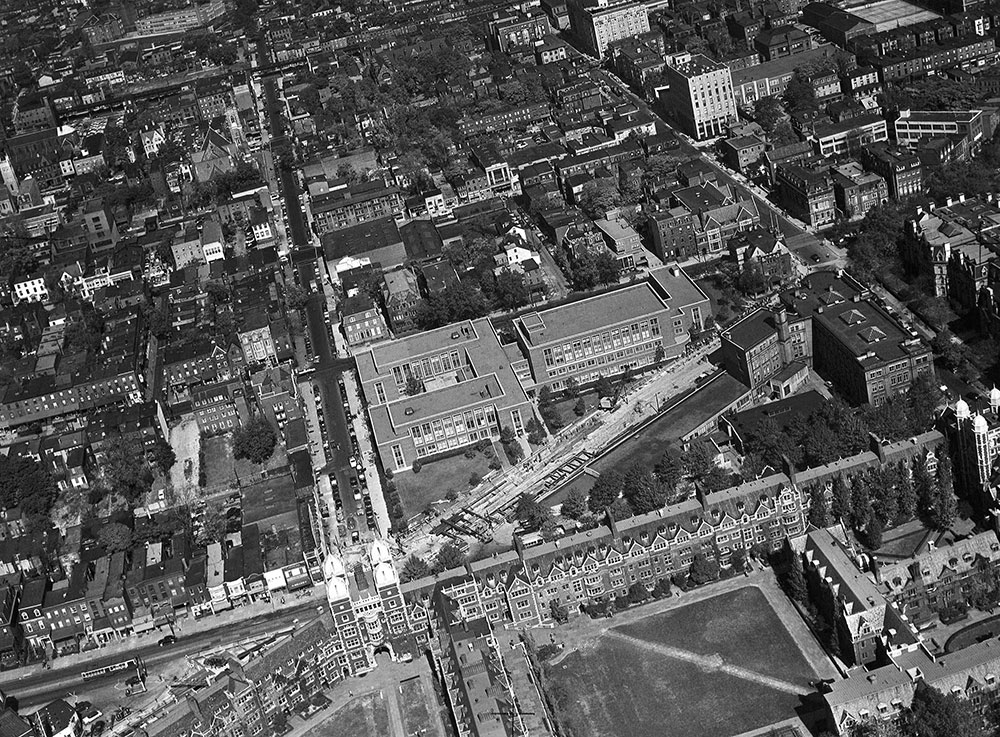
(598, 23)
(698, 95)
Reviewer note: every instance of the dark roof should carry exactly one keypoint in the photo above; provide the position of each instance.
(783, 412)
(361, 238)
(421, 240)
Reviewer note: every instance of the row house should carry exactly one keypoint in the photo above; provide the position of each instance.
(359, 203)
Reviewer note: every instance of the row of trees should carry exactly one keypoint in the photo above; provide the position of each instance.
(448, 557)
(883, 496)
(835, 430)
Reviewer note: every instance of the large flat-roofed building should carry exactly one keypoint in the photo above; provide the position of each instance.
(912, 126)
(699, 95)
(901, 170)
(358, 203)
(464, 389)
(598, 24)
(854, 342)
(606, 334)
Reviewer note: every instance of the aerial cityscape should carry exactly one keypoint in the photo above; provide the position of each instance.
(471, 368)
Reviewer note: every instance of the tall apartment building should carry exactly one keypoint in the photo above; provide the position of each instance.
(699, 95)
(465, 390)
(597, 23)
(606, 334)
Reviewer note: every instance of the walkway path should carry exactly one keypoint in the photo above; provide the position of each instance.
(708, 662)
(395, 716)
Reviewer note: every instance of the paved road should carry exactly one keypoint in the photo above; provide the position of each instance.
(41, 687)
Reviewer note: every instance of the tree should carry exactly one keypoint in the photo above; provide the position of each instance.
(510, 290)
(738, 560)
(936, 714)
(593, 268)
(559, 612)
(619, 510)
(213, 525)
(800, 94)
(793, 579)
(703, 569)
(605, 490)
(580, 407)
(819, 512)
(841, 506)
(597, 197)
(531, 514)
(872, 534)
(604, 386)
(643, 491)
(255, 441)
(414, 568)
(163, 455)
(296, 297)
(637, 593)
(751, 280)
(115, 537)
(571, 388)
(768, 112)
(448, 557)
(507, 435)
(126, 469)
(574, 505)
(944, 508)
(698, 461)
(947, 348)
(669, 469)
(906, 495)
(26, 484)
(414, 385)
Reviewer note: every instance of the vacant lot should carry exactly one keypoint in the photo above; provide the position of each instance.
(435, 479)
(366, 716)
(714, 668)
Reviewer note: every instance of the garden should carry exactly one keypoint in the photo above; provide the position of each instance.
(444, 477)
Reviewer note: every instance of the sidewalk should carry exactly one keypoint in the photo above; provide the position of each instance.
(182, 628)
(365, 445)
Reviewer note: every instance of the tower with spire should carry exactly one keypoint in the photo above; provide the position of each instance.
(976, 444)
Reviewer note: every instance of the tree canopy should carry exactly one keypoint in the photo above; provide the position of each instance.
(255, 441)
(26, 484)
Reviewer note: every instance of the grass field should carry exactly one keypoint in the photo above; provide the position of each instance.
(435, 479)
(367, 716)
(731, 625)
(413, 705)
(642, 688)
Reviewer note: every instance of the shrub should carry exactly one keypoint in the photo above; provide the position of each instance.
(495, 464)
(417, 465)
(475, 479)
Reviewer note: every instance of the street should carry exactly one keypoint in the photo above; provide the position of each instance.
(39, 687)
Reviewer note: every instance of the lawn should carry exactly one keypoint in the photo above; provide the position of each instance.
(220, 464)
(435, 479)
(614, 691)
(618, 688)
(413, 705)
(366, 716)
(731, 625)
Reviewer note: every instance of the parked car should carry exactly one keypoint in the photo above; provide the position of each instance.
(168, 640)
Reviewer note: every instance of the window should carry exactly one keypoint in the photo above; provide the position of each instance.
(397, 456)
(380, 392)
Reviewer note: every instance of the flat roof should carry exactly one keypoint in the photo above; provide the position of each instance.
(411, 408)
(784, 66)
(591, 314)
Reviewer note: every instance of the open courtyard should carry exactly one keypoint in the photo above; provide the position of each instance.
(720, 665)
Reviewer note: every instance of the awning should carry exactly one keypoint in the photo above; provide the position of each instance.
(143, 626)
(61, 634)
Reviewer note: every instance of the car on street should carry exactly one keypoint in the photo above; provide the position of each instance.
(168, 640)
